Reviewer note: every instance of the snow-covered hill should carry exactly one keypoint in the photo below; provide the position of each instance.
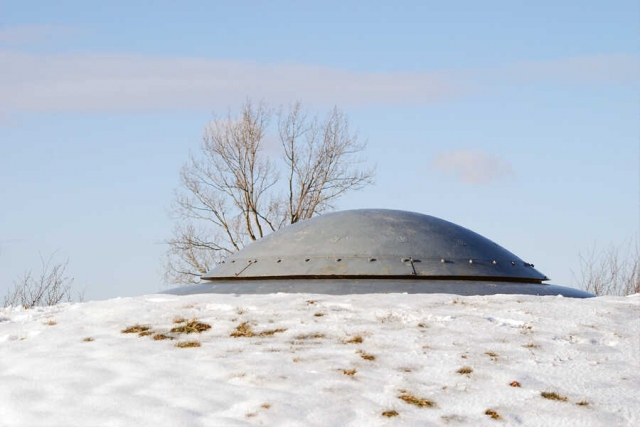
(318, 360)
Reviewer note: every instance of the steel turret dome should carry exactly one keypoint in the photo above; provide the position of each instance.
(374, 251)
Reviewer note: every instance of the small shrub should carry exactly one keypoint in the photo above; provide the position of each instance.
(417, 401)
(390, 414)
(179, 320)
(493, 414)
(319, 314)
(145, 333)
(531, 345)
(583, 403)
(188, 344)
(491, 354)
(265, 406)
(51, 323)
(515, 384)
(349, 372)
(465, 370)
(88, 339)
(552, 395)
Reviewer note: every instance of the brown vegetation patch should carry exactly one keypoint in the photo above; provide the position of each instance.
(354, 340)
(191, 327)
(417, 401)
(188, 344)
(88, 339)
(270, 332)
(583, 403)
(531, 345)
(161, 337)
(179, 320)
(51, 323)
(390, 414)
(366, 356)
(319, 314)
(265, 406)
(465, 370)
(135, 329)
(515, 384)
(493, 414)
(243, 330)
(310, 336)
(552, 395)
(350, 372)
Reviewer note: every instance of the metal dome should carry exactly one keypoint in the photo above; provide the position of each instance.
(373, 251)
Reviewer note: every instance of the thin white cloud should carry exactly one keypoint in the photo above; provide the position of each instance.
(596, 69)
(120, 82)
(101, 82)
(17, 35)
(472, 166)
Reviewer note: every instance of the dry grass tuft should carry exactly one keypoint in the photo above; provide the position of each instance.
(465, 370)
(366, 356)
(188, 344)
(270, 332)
(355, 340)
(88, 339)
(191, 327)
(179, 320)
(265, 406)
(583, 403)
(531, 345)
(161, 337)
(417, 401)
(350, 372)
(552, 395)
(145, 333)
(51, 323)
(135, 329)
(309, 336)
(243, 330)
(491, 354)
(319, 314)
(422, 325)
(493, 414)
(390, 414)
(515, 384)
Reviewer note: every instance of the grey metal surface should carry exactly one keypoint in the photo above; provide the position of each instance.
(375, 243)
(377, 286)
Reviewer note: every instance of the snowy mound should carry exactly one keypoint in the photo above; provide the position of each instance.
(320, 360)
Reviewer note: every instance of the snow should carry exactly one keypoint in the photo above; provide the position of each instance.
(70, 364)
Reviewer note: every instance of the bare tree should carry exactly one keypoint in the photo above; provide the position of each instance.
(232, 193)
(612, 271)
(51, 286)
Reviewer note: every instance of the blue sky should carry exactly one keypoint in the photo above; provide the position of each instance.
(518, 120)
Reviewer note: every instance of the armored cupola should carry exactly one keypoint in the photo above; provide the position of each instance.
(376, 251)
(375, 243)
